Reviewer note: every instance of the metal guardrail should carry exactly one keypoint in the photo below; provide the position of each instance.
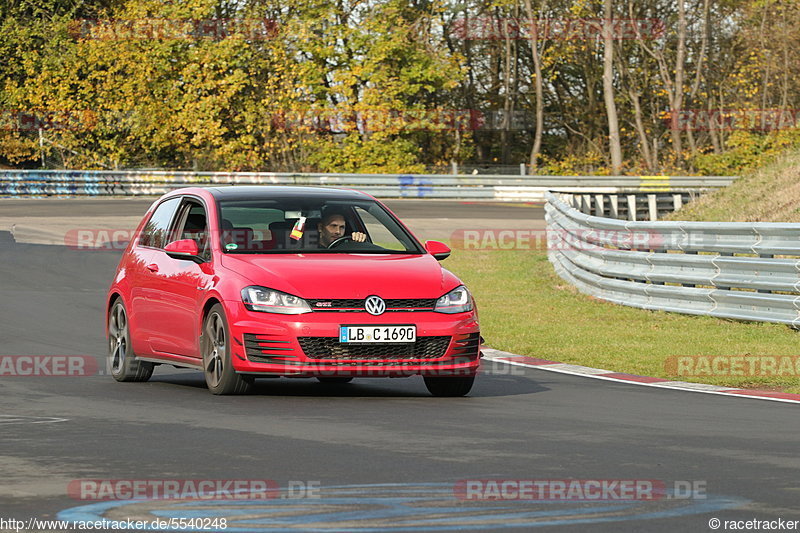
(726, 270)
(494, 187)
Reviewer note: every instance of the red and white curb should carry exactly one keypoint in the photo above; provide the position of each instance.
(596, 373)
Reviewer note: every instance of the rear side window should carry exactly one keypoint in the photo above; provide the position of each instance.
(156, 232)
(256, 219)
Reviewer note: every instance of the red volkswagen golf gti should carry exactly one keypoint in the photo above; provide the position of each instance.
(248, 282)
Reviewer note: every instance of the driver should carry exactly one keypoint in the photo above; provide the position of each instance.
(332, 227)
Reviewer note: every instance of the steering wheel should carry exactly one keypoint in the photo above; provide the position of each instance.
(336, 242)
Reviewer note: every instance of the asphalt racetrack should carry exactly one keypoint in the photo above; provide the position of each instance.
(372, 455)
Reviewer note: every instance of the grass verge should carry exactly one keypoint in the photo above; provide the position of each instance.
(525, 308)
(769, 194)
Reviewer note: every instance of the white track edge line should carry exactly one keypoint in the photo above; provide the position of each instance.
(495, 358)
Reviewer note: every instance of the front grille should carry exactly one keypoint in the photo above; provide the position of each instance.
(354, 304)
(341, 303)
(331, 348)
(411, 303)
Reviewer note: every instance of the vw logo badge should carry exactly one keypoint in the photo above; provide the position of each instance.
(375, 305)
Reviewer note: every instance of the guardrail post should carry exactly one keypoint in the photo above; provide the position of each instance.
(614, 200)
(587, 203)
(652, 207)
(598, 205)
(724, 287)
(690, 252)
(677, 201)
(766, 256)
(522, 171)
(632, 207)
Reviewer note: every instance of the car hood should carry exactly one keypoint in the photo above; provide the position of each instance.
(321, 276)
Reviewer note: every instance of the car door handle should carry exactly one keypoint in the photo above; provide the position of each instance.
(152, 267)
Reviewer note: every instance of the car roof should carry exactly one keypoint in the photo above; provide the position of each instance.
(251, 192)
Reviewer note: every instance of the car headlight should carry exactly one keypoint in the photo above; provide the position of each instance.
(458, 300)
(270, 301)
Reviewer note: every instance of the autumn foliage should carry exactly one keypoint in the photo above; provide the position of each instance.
(397, 85)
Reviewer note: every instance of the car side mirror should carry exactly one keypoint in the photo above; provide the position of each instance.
(184, 249)
(437, 249)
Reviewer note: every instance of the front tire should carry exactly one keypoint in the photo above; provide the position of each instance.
(121, 360)
(449, 387)
(220, 376)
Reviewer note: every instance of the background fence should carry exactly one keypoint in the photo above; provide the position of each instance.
(728, 270)
(484, 187)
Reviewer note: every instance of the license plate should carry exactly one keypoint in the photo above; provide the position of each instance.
(377, 333)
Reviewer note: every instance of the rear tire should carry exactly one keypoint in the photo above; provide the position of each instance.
(333, 380)
(449, 387)
(215, 346)
(122, 362)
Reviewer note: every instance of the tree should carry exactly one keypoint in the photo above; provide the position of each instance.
(614, 145)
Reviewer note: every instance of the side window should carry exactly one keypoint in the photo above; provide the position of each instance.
(194, 225)
(156, 232)
(378, 233)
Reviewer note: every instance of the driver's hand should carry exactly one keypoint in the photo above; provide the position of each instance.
(357, 236)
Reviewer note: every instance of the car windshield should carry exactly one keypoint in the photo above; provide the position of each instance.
(303, 225)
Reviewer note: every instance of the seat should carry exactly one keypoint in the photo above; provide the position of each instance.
(226, 227)
(195, 229)
(280, 233)
(311, 235)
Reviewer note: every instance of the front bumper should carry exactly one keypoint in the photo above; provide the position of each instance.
(270, 344)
